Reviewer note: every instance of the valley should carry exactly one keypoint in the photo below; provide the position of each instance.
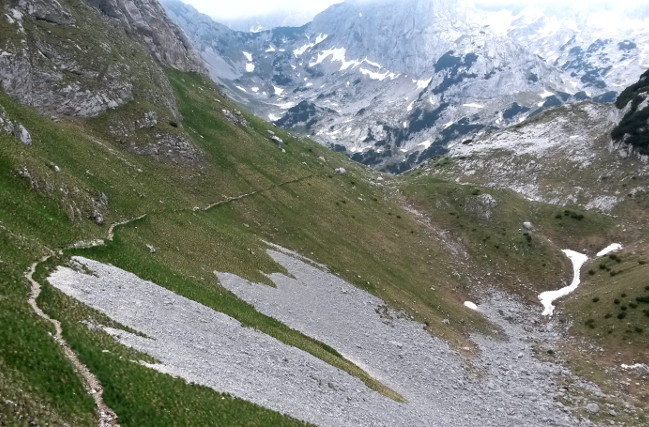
(194, 264)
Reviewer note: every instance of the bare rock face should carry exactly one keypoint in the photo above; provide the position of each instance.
(95, 62)
(56, 74)
(147, 22)
(15, 129)
(46, 10)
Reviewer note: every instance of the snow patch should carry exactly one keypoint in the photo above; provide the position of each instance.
(609, 249)
(473, 106)
(546, 94)
(470, 305)
(547, 298)
(241, 89)
(422, 84)
(426, 144)
(272, 117)
(320, 38)
(378, 76)
(250, 67)
(335, 55)
(248, 56)
(278, 90)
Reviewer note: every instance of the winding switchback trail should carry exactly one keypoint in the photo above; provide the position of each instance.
(105, 415)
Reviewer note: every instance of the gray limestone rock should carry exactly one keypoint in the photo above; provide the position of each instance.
(15, 129)
(592, 408)
(47, 10)
(147, 22)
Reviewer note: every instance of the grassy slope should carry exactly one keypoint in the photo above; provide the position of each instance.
(598, 342)
(348, 222)
(508, 255)
(339, 220)
(352, 223)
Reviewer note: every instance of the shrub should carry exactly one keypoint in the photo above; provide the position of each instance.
(591, 272)
(608, 316)
(643, 299)
(623, 295)
(633, 305)
(623, 308)
(621, 315)
(596, 299)
(616, 301)
(590, 323)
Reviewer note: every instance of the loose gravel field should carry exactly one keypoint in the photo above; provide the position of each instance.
(503, 385)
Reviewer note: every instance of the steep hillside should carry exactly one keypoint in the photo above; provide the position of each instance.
(633, 129)
(563, 156)
(174, 260)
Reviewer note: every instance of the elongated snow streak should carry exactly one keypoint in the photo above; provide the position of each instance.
(547, 298)
(611, 248)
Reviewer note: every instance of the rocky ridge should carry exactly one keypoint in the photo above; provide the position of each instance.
(53, 58)
(564, 156)
(632, 132)
(391, 89)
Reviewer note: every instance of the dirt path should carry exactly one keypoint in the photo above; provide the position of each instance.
(106, 416)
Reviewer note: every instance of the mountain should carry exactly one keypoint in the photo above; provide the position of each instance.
(171, 259)
(633, 128)
(392, 86)
(579, 40)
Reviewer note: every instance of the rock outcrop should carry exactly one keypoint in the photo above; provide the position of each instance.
(633, 128)
(146, 22)
(95, 60)
(13, 128)
(46, 10)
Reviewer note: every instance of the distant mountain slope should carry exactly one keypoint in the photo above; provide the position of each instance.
(392, 85)
(603, 46)
(633, 128)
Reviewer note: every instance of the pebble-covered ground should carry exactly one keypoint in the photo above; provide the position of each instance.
(504, 385)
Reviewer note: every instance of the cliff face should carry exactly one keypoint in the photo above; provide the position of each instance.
(633, 128)
(71, 58)
(146, 22)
